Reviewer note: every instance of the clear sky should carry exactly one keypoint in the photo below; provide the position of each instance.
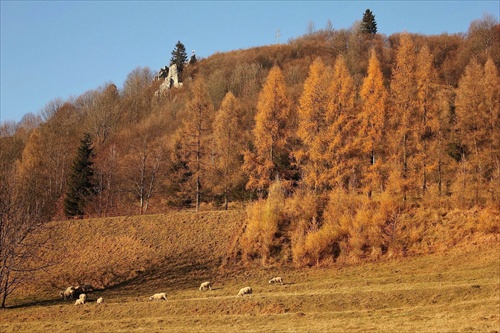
(59, 49)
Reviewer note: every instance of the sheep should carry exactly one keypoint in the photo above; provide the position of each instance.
(245, 291)
(68, 293)
(78, 290)
(83, 296)
(277, 279)
(205, 285)
(159, 296)
(100, 300)
(80, 301)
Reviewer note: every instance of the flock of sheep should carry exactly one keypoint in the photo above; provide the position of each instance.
(80, 292)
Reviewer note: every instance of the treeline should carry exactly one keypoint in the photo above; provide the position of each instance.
(409, 118)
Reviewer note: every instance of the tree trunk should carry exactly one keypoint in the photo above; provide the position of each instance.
(198, 182)
(405, 166)
(5, 288)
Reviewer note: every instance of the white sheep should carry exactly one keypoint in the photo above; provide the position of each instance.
(277, 279)
(78, 290)
(100, 300)
(245, 291)
(83, 296)
(80, 301)
(159, 296)
(68, 293)
(205, 285)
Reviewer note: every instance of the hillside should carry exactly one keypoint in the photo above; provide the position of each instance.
(125, 252)
(457, 290)
(344, 147)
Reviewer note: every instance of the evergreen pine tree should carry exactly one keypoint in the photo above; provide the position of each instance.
(81, 180)
(368, 24)
(179, 57)
(193, 59)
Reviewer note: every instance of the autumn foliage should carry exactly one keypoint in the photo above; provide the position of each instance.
(342, 145)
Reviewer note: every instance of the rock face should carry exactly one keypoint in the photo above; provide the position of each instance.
(162, 74)
(171, 79)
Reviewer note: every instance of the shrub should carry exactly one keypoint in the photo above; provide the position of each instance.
(264, 217)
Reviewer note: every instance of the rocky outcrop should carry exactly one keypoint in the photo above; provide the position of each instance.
(170, 77)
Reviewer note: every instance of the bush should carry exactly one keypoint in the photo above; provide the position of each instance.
(264, 217)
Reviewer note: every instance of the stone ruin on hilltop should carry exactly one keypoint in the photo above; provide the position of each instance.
(170, 77)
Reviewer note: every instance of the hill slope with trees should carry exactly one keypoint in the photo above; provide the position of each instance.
(344, 144)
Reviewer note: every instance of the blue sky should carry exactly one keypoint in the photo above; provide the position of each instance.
(60, 49)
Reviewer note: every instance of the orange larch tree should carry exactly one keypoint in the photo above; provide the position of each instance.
(270, 158)
(427, 117)
(477, 114)
(372, 122)
(312, 129)
(230, 141)
(491, 88)
(403, 118)
(342, 122)
(197, 130)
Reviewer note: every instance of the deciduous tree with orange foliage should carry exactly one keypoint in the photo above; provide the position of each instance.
(427, 118)
(197, 131)
(491, 83)
(313, 127)
(270, 158)
(477, 124)
(372, 123)
(230, 141)
(403, 117)
(341, 120)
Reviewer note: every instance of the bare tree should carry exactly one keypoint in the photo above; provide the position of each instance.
(140, 169)
(21, 240)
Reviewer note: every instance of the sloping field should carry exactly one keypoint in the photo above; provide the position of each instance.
(163, 250)
(456, 291)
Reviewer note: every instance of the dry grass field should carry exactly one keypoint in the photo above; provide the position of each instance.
(453, 291)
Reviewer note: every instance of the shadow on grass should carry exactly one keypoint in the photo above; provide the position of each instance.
(184, 274)
(54, 301)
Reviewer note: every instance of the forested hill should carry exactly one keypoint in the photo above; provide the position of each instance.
(396, 123)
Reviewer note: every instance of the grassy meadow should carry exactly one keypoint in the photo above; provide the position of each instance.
(457, 290)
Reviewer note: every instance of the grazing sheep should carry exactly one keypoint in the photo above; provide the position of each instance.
(205, 285)
(83, 296)
(100, 300)
(157, 297)
(68, 293)
(277, 279)
(78, 290)
(245, 291)
(80, 301)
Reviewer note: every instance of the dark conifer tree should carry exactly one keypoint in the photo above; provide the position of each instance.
(193, 59)
(179, 57)
(368, 24)
(81, 180)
